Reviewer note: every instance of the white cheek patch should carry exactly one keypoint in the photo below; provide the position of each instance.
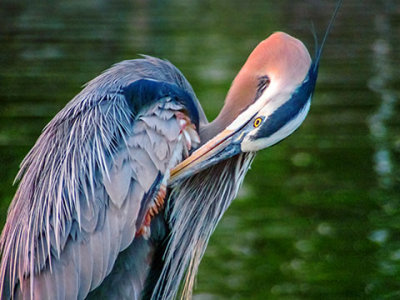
(249, 145)
(245, 116)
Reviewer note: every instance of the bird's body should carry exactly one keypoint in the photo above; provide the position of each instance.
(100, 135)
(120, 194)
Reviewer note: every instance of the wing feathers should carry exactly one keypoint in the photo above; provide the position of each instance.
(95, 242)
(118, 184)
(83, 185)
(84, 264)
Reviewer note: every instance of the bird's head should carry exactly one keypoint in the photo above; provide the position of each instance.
(268, 100)
(271, 94)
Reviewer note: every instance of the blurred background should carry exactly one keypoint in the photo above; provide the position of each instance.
(318, 216)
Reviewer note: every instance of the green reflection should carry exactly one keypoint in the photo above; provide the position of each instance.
(318, 215)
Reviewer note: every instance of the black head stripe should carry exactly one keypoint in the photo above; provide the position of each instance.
(291, 108)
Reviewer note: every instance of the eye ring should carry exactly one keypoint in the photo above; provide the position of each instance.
(257, 122)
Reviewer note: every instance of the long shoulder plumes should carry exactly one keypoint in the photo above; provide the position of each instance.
(91, 172)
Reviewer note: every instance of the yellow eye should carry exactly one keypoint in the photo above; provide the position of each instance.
(257, 122)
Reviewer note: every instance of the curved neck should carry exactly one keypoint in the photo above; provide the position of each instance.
(225, 117)
(239, 97)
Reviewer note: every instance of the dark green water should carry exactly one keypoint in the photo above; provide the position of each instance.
(318, 216)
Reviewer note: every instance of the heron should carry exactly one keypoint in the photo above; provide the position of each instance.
(121, 192)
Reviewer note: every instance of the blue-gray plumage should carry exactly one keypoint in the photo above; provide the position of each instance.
(123, 189)
(88, 176)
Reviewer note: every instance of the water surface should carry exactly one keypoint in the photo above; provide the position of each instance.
(318, 216)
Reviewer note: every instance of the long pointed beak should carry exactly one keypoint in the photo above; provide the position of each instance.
(219, 148)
